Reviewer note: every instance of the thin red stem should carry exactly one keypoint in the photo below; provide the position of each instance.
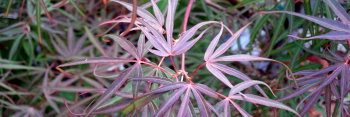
(161, 61)
(219, 94)
(184, 28)
(173, 63)
(195, 71)
(155, 66)
(348, 43)
(187, 14)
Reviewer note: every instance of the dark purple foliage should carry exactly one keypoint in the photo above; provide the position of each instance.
(163, 86)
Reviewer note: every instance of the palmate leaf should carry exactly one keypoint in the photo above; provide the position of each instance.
(154, 36)
(209, 55)
(341, 30)
(212, 57)
(163, 47)
(324, 80)
(47, 92)
(126, 45)
(121, 79)
(73, 47)
(184, 45)
(181, 88)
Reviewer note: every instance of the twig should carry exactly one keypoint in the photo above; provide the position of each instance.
(133, 18)
(184, 28)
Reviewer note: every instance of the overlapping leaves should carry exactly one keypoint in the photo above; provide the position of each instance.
(327, 80)
(341, 29)
(163, 46)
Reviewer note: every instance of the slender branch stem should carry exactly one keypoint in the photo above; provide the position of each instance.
(195, 71)
(187, 14)
(161, 61)
(348, 43)
(183, 55)
(184, 28)
(155, 66)
(173, 63)
(133, 18)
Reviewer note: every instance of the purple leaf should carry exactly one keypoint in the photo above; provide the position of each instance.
(77, 46)
(170, 101)
(154, 37)
(330, 78)
(141, 46)
(47, 92)
(97, 60)
(227, 109)
(298, 92)
(169, 25)
(179, 49)
(118, 20)
(206, 90)
(338, 10)
(126, 45)
(140, 11)
(246, 84)
(157, 12)
(335, 90)
(159, 53)
(241, 57)
(168, 87)
(315, 73)
(306, 82)
(223, 47)
(111, 108)
(60, 50)
(240, 110)
(230, 71)
(263, 101)
(331, 24)
(184, 104)
(212, 108)
(335, 35)
(157, 35)
(139, 103)
(213, 44)
(311, 102)
(153, 79)
(344, 80)
(70, 37)
(202, 104)
(218, 74)
(116, 84)
(189, 34)
(237, 74)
